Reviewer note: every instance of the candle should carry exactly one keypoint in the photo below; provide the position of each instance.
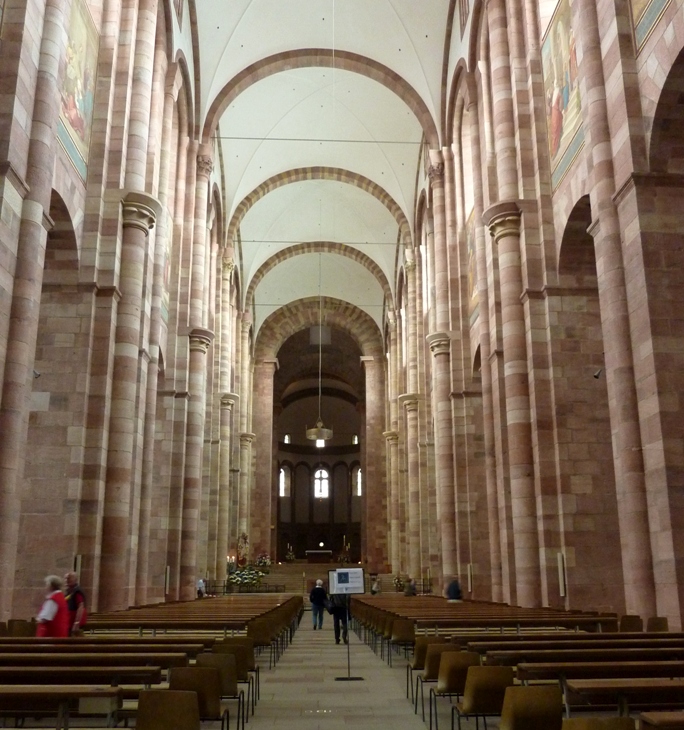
(344, 540)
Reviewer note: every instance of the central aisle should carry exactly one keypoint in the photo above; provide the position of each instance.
(301, 692)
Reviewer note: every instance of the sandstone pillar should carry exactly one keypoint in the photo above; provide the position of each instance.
(374, 472)
(200, 339)
(28, 278)
(440, 345)
(503, 220)
(260, 537)
(139, 213)
(615, 321)
(245, 470)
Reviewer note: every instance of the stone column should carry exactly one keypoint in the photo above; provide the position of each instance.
(637, 557)
(440, 345)
(260, 537)
(485, 366)
(139, 213)
(503, 221)
(26, 292)
(374, 472)
(200, 339)
(392, 437)
(245, 470)
(228, 401)
(410, 403)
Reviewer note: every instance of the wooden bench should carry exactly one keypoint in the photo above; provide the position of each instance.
(165, 660)
(20, 700)
(192, 650)
(622, 692)
(531, 671)
(668, 720)
(158, 642)
(514, 656)
(113, 676)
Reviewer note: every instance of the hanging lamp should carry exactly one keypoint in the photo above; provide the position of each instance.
(319, 432)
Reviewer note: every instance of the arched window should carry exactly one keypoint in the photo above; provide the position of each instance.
(359, 482)
(321, 484)
(284, 481)
(287, 439)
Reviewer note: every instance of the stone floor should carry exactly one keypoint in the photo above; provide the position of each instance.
(303, 691)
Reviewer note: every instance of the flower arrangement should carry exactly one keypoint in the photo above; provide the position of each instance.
(263, 560)
(343, 557)
(246, 576)
(399, 582)
(289, 555)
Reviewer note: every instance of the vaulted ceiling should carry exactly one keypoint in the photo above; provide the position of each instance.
(323, 108)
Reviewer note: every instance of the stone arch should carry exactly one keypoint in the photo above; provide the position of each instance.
(462, 90)
(317, 247)
(317, 173)
(322, 57)
(576, 256)
(187, 110)
(666, 152)
(304, 313)
(61, 250)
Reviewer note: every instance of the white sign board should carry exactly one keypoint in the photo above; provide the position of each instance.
(346, 581)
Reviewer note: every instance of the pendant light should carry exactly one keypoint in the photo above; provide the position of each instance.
(319, 433)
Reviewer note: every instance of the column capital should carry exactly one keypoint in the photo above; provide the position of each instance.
(140, 210)
(228, 400)
(205, 160)
(436, 174)
(409, 401)
(391, 436)
(227, 266)
(200, 339)
(246, 438)
(502, 219)
(439, 343)
(272, 361)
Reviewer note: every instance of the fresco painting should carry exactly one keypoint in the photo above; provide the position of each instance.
(645, 15)
(561, 89)
(79, 67)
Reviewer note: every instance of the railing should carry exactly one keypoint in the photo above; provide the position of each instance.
(224, 587)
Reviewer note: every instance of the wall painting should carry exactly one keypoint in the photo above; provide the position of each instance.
(561, 90)
(645, 15)
(79, 68)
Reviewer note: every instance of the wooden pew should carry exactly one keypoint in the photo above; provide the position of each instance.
(110, 639)
(47, 675)
(20, 700)
(623, 692)
(165, 660)
(192, 650)
(667, 720)
(514, 657)
(534, 671)
(483, 647)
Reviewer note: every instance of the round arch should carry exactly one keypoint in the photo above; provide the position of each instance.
(304, 313)
(317, 247)
(318, 173)
(323, 57)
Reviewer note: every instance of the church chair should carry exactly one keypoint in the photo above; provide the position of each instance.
(240, 652)
(403, 635)
(631, 622)
(483, 694)
(252, 665)
(430, 671)
(532, 707)
(226, 664)
(451, 679)
(657, 623)
(417, 662)
(165, 709)
(206, 682)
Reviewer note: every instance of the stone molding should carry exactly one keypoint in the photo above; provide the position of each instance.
(10, 172)
(391, 436)
(227, 267)
(108, 291)
(410, 401)
(270, 361)
(182, 394)
(228, 400)
(409, 265)
(140, 210)
(647, 179)
(465, 394)
(246, 438)
(502, 219)
(200, 339)
(439, 343)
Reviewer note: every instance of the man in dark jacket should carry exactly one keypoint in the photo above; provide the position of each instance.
(340, 610)
(318, 597)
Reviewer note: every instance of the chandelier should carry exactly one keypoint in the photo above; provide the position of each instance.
(319, 432)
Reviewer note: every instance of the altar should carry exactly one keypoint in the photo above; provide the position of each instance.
(318, 556)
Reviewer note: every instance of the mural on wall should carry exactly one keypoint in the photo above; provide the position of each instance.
(473, 296)
(645, 14)
(79, 67)
(561, 89)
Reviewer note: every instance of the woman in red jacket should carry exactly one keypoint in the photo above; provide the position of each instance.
(53, 619)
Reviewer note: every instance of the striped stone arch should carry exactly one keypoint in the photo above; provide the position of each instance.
(318, 173)
(304, 313)
(318, 247)
(323, 57)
